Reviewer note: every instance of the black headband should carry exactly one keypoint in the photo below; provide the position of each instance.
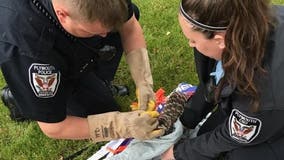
(198, 24)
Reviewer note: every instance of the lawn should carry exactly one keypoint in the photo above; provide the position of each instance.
(171, 62)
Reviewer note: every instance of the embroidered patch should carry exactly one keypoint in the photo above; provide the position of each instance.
(44, 80)
(243, 128)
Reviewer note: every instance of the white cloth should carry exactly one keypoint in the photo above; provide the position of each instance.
(148, 149)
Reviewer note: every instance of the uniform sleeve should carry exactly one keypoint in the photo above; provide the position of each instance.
(197, 107)
(240, 129)
(37, 87)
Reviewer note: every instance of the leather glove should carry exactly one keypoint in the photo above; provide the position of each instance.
(115, 125)
(139, 66)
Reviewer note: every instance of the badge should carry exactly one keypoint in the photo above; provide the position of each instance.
(243, 128)
(44, 80)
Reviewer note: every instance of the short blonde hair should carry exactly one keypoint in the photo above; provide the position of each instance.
(111, 13)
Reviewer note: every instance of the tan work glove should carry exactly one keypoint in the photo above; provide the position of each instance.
(115, 125)
(139, 66)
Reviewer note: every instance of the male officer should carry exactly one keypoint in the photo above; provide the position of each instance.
(57, 57)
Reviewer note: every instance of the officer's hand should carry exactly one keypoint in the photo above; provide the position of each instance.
(139, 66)
(114, 125)
(146, 97)
(169, 154)
(145, 126)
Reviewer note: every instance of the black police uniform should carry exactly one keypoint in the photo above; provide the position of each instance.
(233, 130)
(50, 72)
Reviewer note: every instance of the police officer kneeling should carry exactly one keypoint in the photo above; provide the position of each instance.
(58, 59)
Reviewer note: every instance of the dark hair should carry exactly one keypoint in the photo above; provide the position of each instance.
(111, 13)
(248, 25)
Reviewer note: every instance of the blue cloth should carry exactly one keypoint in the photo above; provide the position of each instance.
(219, 72)
(148, 149)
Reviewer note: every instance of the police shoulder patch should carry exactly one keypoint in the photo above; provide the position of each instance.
(243, 128)
(44, 80)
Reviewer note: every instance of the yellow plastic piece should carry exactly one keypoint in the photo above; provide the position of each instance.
(153, 114)
(151, 105)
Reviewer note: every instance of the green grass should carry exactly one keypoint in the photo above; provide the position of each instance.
(171, 62)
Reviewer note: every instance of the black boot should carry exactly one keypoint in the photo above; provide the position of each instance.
(10, 103)
(117, 90)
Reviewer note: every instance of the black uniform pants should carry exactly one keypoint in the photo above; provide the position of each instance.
(91, 96)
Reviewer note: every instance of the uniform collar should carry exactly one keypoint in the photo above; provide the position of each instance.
(219, 72)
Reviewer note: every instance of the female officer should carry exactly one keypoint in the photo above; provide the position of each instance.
(240, 45)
